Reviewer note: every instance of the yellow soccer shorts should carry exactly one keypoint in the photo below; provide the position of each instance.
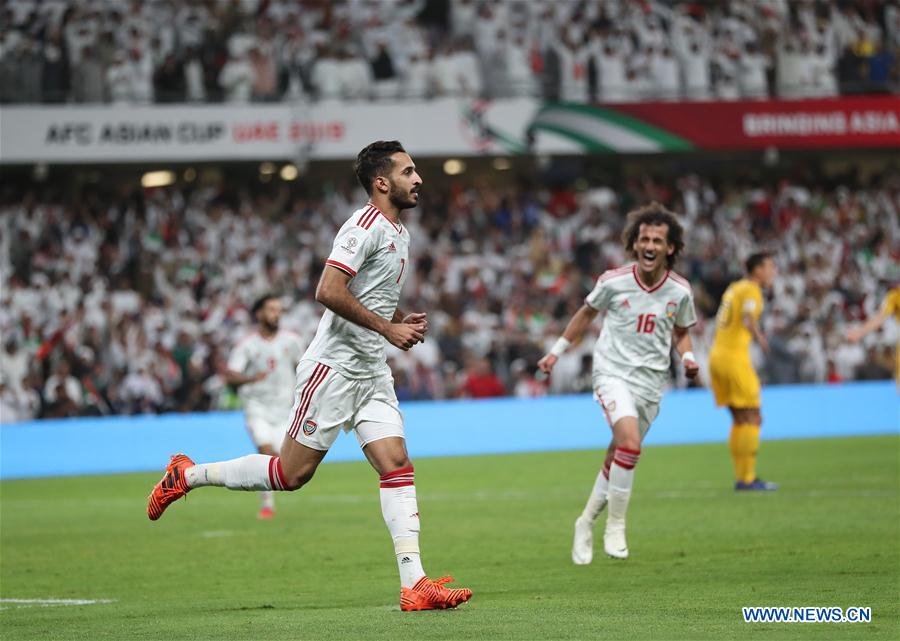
(734, 382)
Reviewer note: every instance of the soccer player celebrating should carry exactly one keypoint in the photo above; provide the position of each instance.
(262, 367)
(732, 377)
(890, 307)
(343, 380)
(648, 308)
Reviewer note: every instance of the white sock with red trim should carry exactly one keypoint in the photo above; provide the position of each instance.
(252, 473)
(621, 479)
(401, 515)
(267, 500)
(597, 500)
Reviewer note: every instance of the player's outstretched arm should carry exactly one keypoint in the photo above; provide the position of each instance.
(236, 379)
(684, 347)
(857, 333)
(332, 292)
(572, 334)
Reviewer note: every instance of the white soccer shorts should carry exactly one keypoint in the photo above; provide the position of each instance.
(326, 402)
(264, 429)
(617, 402)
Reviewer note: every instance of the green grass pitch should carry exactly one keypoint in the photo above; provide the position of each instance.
(324, 568)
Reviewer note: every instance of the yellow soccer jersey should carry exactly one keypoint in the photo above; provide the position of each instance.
(743, 297)
(892, 303)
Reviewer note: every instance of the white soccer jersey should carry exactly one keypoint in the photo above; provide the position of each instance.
(273, 396)
(635, 342)
(375, 253)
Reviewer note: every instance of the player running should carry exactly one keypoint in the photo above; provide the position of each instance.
(343, 381)
(890, 307)
(262, 366)
(648, 308)
(733, 380)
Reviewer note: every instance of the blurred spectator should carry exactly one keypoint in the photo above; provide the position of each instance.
(481, 381)
(265, 74)
(169, 81)
(236, 78)
(120, 80)
(354, 76)
(753, 66)
(387, 85)
(89, 78)
(325, 74)
(62, 390)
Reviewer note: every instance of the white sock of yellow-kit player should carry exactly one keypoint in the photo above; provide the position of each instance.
(401, 515)
(252, 473)
(597, 500)
(621, 478)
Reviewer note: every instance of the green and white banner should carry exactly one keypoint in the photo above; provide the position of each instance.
(603, 130)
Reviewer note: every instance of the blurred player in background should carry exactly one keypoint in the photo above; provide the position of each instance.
(262, 366)
(648, 308)
(890, 307)
(732, 377)
(343, 380)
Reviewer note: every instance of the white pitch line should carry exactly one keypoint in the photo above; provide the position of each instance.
(18, 604)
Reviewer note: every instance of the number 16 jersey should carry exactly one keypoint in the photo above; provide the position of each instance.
(635, 342)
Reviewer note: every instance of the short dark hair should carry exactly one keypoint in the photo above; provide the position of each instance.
(261, 301)
(375, 160)
(755, 260)
(654, 214)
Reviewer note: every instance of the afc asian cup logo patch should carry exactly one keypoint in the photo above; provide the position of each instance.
(671, 308)
(350, 245)
(309, 426)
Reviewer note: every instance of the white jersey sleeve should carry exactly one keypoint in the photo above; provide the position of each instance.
(686, 315)
(239, 357)
(601, 295)
(352, 246)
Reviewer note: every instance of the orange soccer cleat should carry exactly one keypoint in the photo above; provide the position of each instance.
(171, 487)
(432, 595)
(265, 514)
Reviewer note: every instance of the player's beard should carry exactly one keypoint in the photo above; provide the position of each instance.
(401, 199)
(270, 326)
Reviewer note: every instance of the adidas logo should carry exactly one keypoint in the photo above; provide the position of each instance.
(405, 559)
(392, 247)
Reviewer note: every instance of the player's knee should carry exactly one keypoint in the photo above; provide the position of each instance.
(393, 463)
(299, 477)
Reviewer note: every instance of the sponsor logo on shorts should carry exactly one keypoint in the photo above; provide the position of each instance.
(309, 426)
(609, 406)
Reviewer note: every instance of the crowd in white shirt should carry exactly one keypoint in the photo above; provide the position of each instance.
(579, 50)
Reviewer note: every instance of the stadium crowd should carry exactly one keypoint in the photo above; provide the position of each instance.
(122, 51)
(129, 302)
